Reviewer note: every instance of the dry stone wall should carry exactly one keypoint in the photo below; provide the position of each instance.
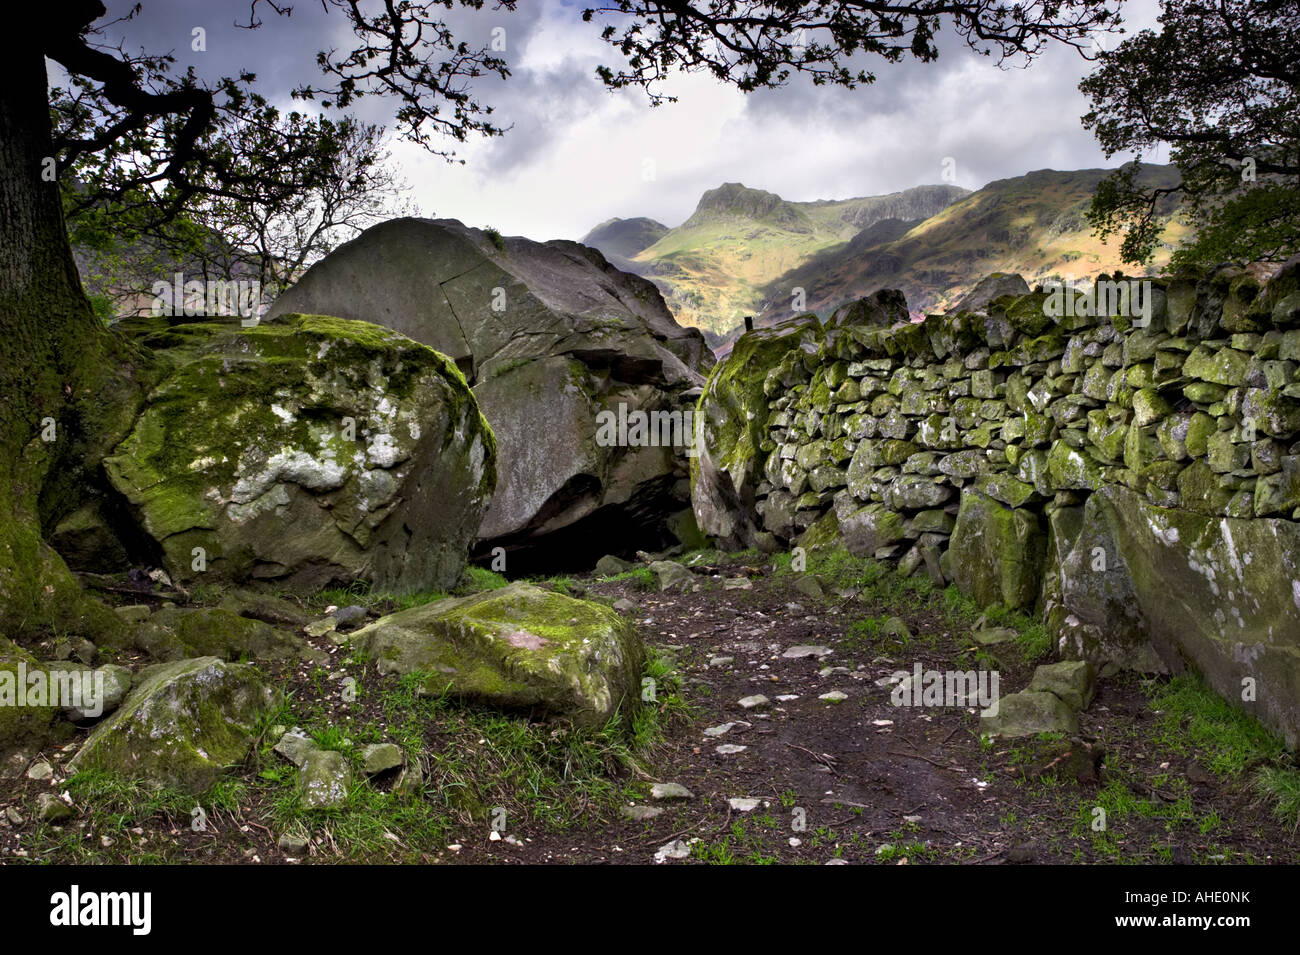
(1131, 473)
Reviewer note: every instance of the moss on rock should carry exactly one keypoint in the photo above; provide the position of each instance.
(518, 647)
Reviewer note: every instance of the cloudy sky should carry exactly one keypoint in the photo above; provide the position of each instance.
(577, 154)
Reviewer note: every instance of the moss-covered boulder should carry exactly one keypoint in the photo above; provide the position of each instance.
(731, 426)
(87, 542)
(309, 451)
(1073, 681)
(997, 552)
(183, 724)
(1028, 713)
(519, 647)
(21, 726)
(175, 633)
(549, 336)
(1163, 588)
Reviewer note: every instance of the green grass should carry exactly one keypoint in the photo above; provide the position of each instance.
(375, 600)
(1280, 787)
(475, 761)
(651, 719)
(740, 845)
(480, 579)
(1034, 641)
(1192, 717)
(561, 585)
(642, 578)
(474, 580)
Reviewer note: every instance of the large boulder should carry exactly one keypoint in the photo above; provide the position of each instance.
(997, 553)
(182, 725)
(309, 451)
(550, 336)
(731, 423)
(175, 633)
(519, 647)
(1163, 588)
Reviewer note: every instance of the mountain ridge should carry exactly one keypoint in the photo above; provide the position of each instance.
(746, 251)
(712, 268)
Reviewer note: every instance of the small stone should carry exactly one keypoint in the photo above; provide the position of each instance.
(810, 587)
(666, 791)
(896, 627)
(52, 809)
(753, 702)
(318, 628)
(721, 661)
(737, 583)
(116, 684)
(624, 606)
(293, 843)
(1028, 714)
(671, 574)
(787, 697)
(834, 696)
(802, 652)
(677, 849)
(40, 770)
(411, 780)
(992, 636)
(133, 613)
(1073, 681)
(379, 757)
(349, 616)
(641, 813)
(795, 842)
(14, 816)
(323, 779)
(611, 566)
(294, 746)
(743, 804)
(730, 749)
(719, 730)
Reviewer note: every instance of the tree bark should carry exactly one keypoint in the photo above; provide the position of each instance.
(67, 385)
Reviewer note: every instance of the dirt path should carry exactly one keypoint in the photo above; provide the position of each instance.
(824, 770)
(864, 781)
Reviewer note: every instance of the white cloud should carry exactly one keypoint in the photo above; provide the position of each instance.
(577, 153)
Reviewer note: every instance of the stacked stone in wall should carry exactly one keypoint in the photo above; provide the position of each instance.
(875, 435)
(1133, 476)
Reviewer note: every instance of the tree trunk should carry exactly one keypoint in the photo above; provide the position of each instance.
(67, 385)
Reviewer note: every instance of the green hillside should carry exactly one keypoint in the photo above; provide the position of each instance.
(1033, 224)
(716, 267)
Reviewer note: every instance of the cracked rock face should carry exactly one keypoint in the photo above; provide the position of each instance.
(307, 452)
(549, 336)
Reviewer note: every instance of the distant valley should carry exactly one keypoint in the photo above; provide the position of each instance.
(745, 251)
